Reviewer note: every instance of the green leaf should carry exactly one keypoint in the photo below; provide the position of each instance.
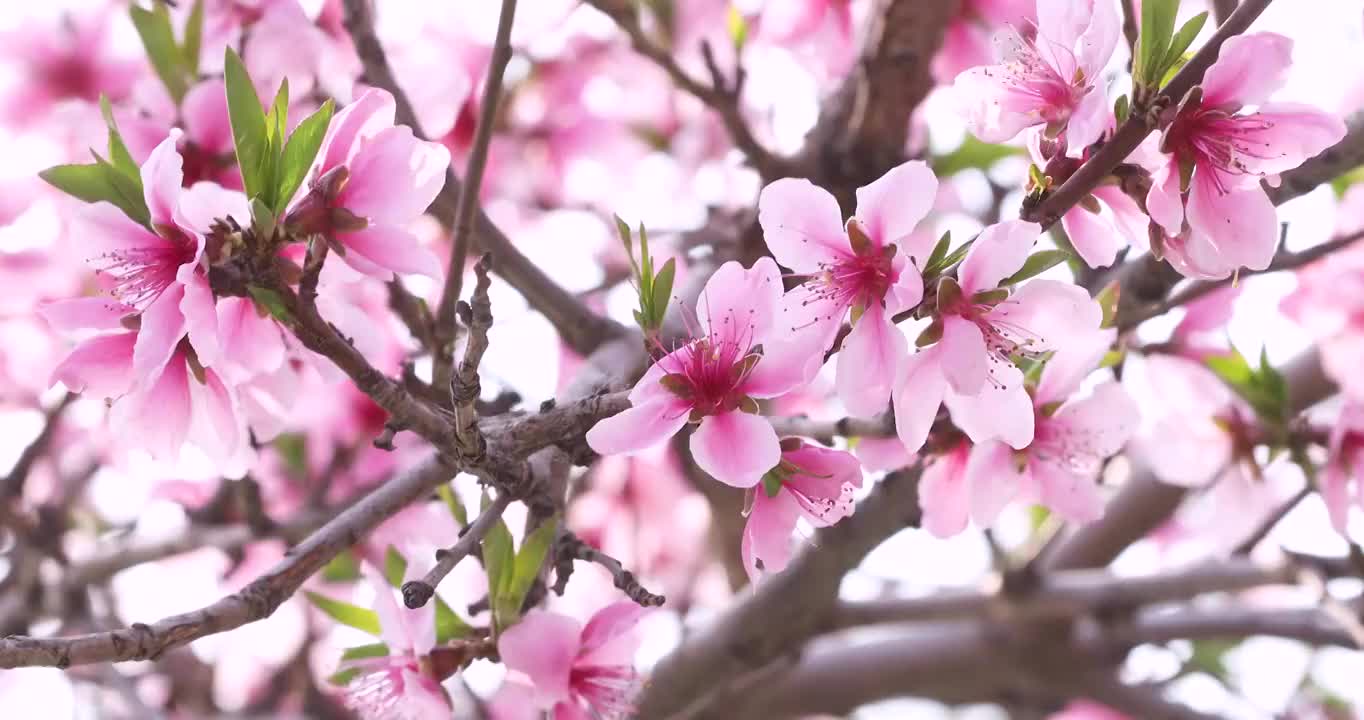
(939, 250)
(271, 301)
(1122, 109)
(194, 34)
(499, 562)
(119, 156)
(345, 613)
(626, 239)
(529, 558)
(125, 191)
(1274, 384)
(646, 265)
(299, 153)
(1108, 301)
(1174, 67)
(1157, 24)
(449, 625)
(247, 118)
(342, 678)
(154, 27)
(342, 568)
(1343, 183)
(395, 566)
(1263, 389)
(83, 182)
(973, 154)
(1036, 264)
(663, 289)
(1111, 358)
(1174, 55)
(952, 258)
(771, 484)
(293, 449)
(447, 494)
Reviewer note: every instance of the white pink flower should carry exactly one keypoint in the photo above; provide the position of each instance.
(716, 379)
(863, 270)
(398, 686)
(1206, 195)
(1051, 79)
(812, 482)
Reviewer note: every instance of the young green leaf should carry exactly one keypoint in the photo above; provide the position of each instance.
(447, 495)
(299, 153)
(127, 191)
(271, 301)
(395, 566)
(119, 156)
(1121, 109)
(952, 258)
(154, 27)
(345, 613)
(247, 119)
(939, 250)
(449, 625)
(663, 289)
(498, 561)
(973, 154)
(83, 182)
(194, 34)
(627, 240)
(529, 558)
(1174, 55)
(360, 652)
(1036, 264)
(342, 568)
(1157, 24)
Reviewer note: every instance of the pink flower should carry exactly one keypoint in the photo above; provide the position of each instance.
(982, 326)
(1329, 304)
(1340, 478)
(812, 482)
(1098, 226)
(72, 59)
(578, 672)
(1087, 710)
(398, 686)
(966, 43)
(715, 380)
(179, 401)
(1207, 195)
(1060, 467)
(862, 269)
(160, 274)
(1052, 79)
(1205, 431)
(795, 20)
(944, 493)
(371, 180)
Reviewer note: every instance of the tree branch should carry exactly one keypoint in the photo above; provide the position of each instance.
(580, 328)
(462, 229)
(417, 593)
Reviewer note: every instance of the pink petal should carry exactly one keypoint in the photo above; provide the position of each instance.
(163, 324)
(638, 428)
(103, 229)
(1296, 133)
(611, 622)
(998, 252)
(157, 418)
(917, 396)
(868, 362)
(1243, 224)
(1127, 216)
(201, 318)
(1061, 22)
(964, 357)
(1249, 68)
(205, 202)
(1183, 453)
(358, 121)
(1335, 493)
(395, 177)
(213, 426)
(543, 646)
(204, 110)
(1164, 201)
(995, 479)
(1105, 420)
(766, 544)
(1050, 311)
(385, 249)
(252, 342)
(1073, 496)
(802, 224)
(1098, 41)
(736, 448)
(944, 494)
(741, 304)
(908, 290)
(892, 205)
(1071, 364)
(1093, 238)
(784, 367)
(161, 180)
(996, 413)
(101, 366)
(1090, 118)
(879, 454)
(805, 311)
(995, 111)
(823, 471)
(87, 313)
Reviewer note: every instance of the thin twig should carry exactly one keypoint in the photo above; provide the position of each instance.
(12, 485)
(1284, 260)
(417, 593)
(464, 386)
(570, 547)
(463, 229)
(826, 430)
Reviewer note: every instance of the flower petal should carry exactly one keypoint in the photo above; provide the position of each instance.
(1105, 420)
(543, 646)
(161, 180)
(638, 428)
(918, 394)
(157, 417)
(740, 304)
(86, 313)
(736, 448)
(892, 205)
(1295, 133)
(1249, 68)
(1071, 364)
(802, 224)
(784, 367)
(395, 177)
(101, 366)
(1094, 239)
(163, 324)
(611, 622)
(386, 249)
(1003, 413)
(999, 251)
(201, 318)
(1164, 201)
(995, 479)
(358, 121)
(1243, 224)
(868, 362)
(1070, 495)
(766, 545)
(964, 357)
(1050, 311)
(944, 493)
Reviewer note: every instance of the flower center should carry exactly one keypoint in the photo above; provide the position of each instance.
(141, 274)
(709, 374)
(1032, 77)
(608, 689)
(857, 281)
(71, 76)
(1219, 143)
